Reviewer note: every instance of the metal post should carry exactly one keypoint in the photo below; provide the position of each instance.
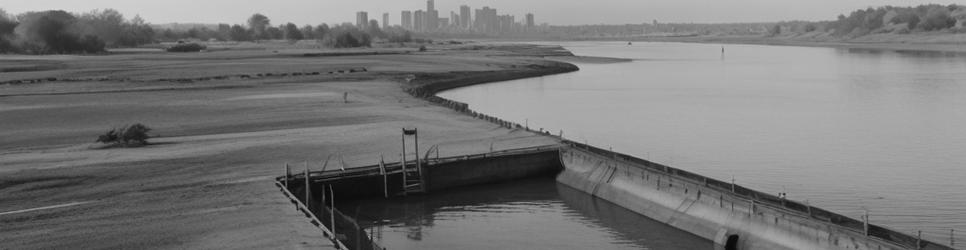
(919, 240)
(385, 179)
(419, 166)
(308, 189)
(732, 184)
(287, 175)
(866, 223)
(332, 196)
(404, 161)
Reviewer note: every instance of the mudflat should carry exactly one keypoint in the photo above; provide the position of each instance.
(225, 123)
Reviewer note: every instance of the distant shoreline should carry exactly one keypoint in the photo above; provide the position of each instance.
(758, 40)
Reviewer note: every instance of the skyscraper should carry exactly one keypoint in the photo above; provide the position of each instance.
(362, 19)
(419, 20)
(529, 20)
(430, 5)
(385, 20)
(407, 20)
(465, 18)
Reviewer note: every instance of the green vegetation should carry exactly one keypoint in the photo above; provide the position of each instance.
(886, 19)
(187, 47)
(126, 136)
(59, 32)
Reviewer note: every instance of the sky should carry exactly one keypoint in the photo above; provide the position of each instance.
(554, 12)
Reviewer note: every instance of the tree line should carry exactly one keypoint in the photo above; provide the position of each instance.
(60, 32)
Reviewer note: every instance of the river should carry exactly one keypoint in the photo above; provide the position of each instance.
(849, 130)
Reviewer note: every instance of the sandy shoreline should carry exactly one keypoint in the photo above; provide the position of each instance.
(207, 182)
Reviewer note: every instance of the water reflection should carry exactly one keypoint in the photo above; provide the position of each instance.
(531, 214)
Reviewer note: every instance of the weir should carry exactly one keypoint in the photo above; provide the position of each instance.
(732, 216)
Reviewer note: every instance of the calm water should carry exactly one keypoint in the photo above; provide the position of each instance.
(846, 130)
(527, 214)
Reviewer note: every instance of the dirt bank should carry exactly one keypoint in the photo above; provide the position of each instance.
(206, 180)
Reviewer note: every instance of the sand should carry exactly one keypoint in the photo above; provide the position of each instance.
(206, 179)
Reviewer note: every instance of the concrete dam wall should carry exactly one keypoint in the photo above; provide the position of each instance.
(732, 216)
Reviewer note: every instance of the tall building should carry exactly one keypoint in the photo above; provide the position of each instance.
(432, 20)
(529, 20)
(419, 20)
(362, 19)
(465, 19)
(385, 20)
(486, 20)
(407, 20)
(454, 19)
(430, 5)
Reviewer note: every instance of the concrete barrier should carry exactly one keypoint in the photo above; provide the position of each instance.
(732, 217)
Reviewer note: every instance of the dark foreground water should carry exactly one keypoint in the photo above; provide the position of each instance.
(526, 214)
(844, 129)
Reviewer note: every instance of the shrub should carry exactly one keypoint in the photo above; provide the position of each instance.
(133, 135)
(187, 47)
(422, 48)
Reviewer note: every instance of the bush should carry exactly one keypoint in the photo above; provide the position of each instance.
(133, 135)
(187, 47)
(422, 48)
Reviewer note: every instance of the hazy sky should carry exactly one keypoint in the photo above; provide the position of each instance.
(549, 11)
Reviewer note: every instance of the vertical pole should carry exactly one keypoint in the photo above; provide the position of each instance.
(385, 179)
(919, 240)
(865, 224)
(404, 161)
(732, 184)
(308, 189)
(287, 175)
(419, 166)
(332, 197)
(952, 240)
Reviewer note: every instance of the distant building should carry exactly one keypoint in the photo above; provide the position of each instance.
(432, 20)
(362, 19)
(419, 20)
(443, 22)
(454, 19)
(530, 23)
(385, 20)
(430, 5)
(407, 20)
(465, 18)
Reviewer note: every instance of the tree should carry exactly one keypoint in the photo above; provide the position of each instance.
(259, 24)
(274, 33)
(308, 32)
(135, 33)
(937, 18)
(374, 30)
(321, 31)
(108, 24)
(55, 32)
(239, 33)
(775, 30)
(292, 32)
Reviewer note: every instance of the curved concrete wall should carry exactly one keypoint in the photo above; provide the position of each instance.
(705, 211)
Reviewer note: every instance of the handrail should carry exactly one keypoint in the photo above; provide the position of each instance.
(301, 206)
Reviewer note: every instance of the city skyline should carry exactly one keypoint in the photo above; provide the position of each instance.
(551, 12)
